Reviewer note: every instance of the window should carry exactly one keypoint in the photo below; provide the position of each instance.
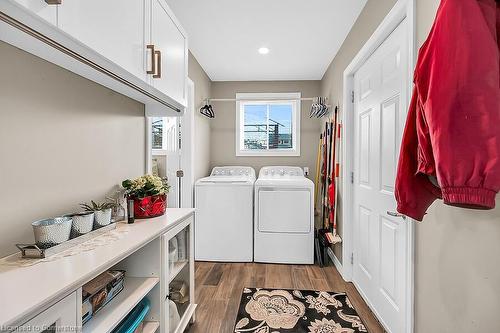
(268, 124)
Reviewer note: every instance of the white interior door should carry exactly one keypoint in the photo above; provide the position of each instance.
(172, 150)
(380, 240)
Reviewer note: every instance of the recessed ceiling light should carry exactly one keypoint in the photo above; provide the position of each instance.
(263, 50)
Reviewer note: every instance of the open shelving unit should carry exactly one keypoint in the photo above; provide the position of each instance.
(134, 290)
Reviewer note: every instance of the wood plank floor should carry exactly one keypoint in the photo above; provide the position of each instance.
(219, 287)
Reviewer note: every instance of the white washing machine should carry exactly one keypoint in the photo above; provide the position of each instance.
(224, 215)
(284, 216)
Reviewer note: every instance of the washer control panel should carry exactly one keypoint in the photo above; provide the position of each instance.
(233, 171)
(281, 172)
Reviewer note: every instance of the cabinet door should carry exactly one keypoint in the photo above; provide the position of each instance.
(114, 28)
(60, 317)
(42, 9)
(178, 276)
(171, 42)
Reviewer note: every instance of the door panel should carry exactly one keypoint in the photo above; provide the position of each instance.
(364, 147)
(388, 159)
(380, 240)
(170, 41)
(114, 28)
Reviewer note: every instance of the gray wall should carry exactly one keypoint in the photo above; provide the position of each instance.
(223, 127)
(63, 140)
(202, 88)
(457, 279)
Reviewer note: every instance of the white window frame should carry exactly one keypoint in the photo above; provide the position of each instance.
(268, 98)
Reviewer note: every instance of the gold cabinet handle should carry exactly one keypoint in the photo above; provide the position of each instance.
(157, 75)
(153, 63)
(53, 2)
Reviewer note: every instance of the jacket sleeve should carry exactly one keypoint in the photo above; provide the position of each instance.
(414, 192)
(459, 84)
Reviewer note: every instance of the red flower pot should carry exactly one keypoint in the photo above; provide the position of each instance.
(151, 206)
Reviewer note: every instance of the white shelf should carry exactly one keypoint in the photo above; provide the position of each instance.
(178, 266)
(113, 313)
(150, 326)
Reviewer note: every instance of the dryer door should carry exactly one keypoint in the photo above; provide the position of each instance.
(284, 211)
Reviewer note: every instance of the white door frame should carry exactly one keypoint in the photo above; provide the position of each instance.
(187, 148)
(403, 9)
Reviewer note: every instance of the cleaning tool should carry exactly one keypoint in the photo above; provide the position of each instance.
(316, 179)
(336, 237)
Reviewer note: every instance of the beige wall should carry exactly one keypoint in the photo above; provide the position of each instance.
(457, 279)
(457, 251)
(223, 127)
(202, 86)
(63, 140)
(331, 84)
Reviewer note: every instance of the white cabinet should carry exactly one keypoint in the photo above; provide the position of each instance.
(114, 28)
(171, 43)
(60, 317)
(141, 36)
(42, 9)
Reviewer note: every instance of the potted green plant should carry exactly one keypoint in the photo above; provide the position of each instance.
(102, 212)
(149, 194)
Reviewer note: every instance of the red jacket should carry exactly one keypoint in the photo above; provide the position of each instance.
(451, 141)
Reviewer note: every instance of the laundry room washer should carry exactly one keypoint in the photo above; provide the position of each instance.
(224, 215)
(284, 216)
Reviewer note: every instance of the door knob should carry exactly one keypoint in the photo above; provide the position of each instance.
(395, 214)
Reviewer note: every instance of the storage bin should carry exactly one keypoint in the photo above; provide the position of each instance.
(133, 323)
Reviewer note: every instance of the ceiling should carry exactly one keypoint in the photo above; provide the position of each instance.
(303, 36)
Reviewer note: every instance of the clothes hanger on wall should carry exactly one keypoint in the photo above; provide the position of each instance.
(207, 110)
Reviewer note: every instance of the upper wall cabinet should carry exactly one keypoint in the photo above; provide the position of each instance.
(170, 45)
(41, 8)
(114, 28)
(135, 47)
(139, 35)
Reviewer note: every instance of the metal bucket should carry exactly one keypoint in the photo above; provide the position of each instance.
(82, 223)
(102, 218)
(50, 232)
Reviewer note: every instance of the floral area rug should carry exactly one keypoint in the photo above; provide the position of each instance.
(297, 311)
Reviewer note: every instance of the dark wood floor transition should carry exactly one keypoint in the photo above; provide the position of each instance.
(219, 287)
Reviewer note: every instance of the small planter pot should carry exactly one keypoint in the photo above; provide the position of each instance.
(151, 206)
(82, 223)
(102, 218)
(51, 232)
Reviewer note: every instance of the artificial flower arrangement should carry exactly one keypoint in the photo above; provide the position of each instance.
(149, 194)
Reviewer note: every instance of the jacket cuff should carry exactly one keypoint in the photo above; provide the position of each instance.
(469, 197)
(415, 213)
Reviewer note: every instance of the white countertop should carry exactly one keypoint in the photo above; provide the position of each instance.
(24, 290)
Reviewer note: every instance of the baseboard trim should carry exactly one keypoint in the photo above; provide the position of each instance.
(336, 262)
